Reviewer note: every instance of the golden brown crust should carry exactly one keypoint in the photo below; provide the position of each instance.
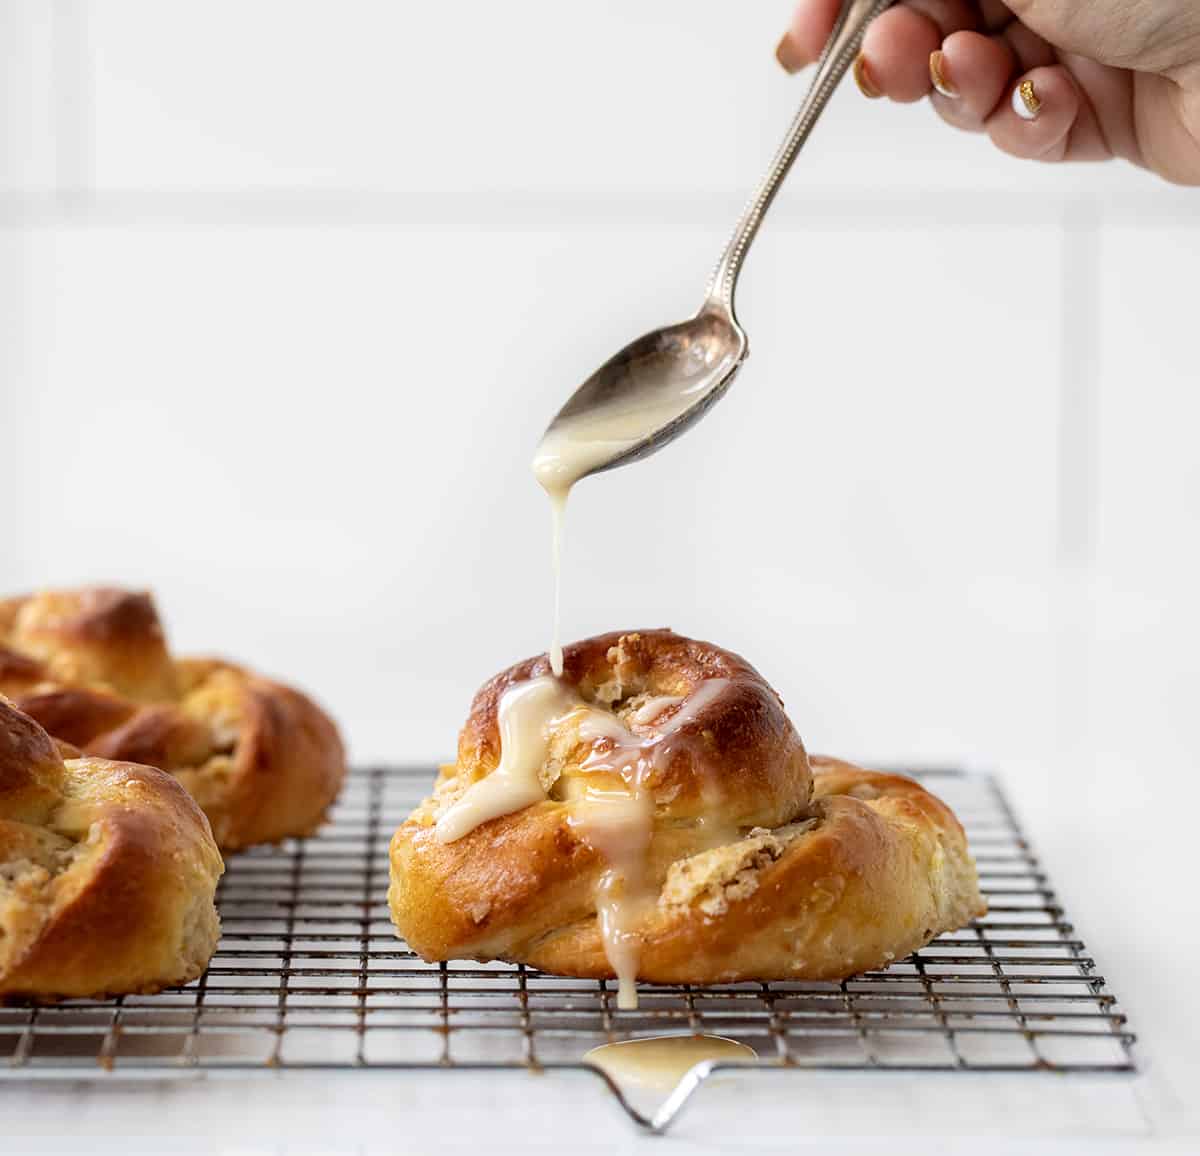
(286, 765)
(92, 666)
(810, 879)
(95, 635)
(107, 873)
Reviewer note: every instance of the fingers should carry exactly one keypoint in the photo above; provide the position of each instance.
(1035, 113)
(1006, 83)
(804, 41)
(1036, 120)
(898, 47)
(895, 52)
(986, 71)
(970, 77)
(813, 20)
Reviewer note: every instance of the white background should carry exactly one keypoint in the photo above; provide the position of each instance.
(288, 291)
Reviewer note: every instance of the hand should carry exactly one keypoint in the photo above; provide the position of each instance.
(1051, 80)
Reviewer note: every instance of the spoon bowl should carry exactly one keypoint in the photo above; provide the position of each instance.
(643, 397)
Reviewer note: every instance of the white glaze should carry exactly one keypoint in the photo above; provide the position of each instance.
(617, 824)
(578, 445)
(558, 511)
(705, 694)
(527, 714)
(615, 820)
(660, 1062)
(629, 750)
(652, 708)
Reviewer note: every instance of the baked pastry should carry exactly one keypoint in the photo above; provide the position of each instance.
(107, 873)
(92, 666)
(670, 826)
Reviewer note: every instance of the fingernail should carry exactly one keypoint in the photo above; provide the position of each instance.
(1025, 101)
(862, 77)
(785, 53)
(937, 74)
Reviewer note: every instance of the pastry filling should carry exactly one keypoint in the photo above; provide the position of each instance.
(713, 879)
(35, 859)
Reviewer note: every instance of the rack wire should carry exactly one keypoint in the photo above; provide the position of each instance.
(309, 975)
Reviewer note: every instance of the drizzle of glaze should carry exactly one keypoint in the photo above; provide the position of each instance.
(652, 708)
(620, 830)
(527, 715)
(558, 511)
(616, 820)
(660, 1062)
(629, 750)
(617, 824)
(581, 443)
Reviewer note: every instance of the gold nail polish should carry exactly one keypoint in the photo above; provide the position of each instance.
(1025, 101)
(785, 55)
(937, 75)
(862, 77)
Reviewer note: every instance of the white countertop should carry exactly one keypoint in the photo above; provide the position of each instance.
(420, 1112)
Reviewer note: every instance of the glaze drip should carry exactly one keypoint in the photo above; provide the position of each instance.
(613, 817)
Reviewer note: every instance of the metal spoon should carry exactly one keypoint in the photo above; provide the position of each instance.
(656, 387)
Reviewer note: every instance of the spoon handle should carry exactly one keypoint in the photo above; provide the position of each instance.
(840, 50)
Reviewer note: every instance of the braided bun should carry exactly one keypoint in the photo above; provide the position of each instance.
(92, 666)
(673, 828)
(107, 873)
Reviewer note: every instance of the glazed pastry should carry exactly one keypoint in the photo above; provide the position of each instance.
(653, 814)
(107, 873)
(92, 666)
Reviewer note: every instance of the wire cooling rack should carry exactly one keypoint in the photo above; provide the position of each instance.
(310, 975)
